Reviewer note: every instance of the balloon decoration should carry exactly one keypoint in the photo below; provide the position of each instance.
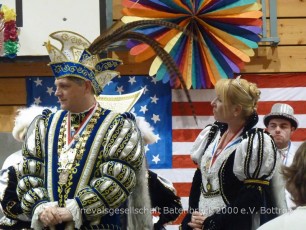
(8, 32)
(225, 34)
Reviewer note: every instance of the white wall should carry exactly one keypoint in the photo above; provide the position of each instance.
(42, 17)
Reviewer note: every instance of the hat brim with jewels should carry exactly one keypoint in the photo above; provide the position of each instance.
(281, 111)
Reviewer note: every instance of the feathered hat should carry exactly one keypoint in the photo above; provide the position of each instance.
(73, 59)
(79, 58)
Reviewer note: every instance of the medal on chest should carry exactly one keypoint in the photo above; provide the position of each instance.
(208, 187)
(65, 162)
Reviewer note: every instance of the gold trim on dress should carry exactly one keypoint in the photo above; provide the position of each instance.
(256, 181)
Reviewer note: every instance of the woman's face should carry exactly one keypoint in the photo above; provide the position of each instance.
(220, 111)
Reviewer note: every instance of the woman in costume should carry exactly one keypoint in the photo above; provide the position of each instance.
(235, 163)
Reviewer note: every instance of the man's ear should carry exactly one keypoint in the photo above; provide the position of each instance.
(88, 86)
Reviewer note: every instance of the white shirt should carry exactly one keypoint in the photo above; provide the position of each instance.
(294, 220)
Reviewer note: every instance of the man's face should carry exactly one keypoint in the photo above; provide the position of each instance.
(70, 93)
(281, 130)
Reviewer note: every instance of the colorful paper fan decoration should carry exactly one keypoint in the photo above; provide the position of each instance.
(8, 32)
(226, 32)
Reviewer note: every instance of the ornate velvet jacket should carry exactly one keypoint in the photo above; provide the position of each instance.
(236, 186)
(104, 155)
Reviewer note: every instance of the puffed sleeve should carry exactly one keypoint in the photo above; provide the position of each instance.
(253, 164)
(8, 197)
(123, 153)
(255, 157)
(198, 147)
(30, 188)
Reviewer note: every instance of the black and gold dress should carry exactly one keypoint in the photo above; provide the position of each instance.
(231, 186)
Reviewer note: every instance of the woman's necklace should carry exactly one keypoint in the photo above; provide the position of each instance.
(215, 153)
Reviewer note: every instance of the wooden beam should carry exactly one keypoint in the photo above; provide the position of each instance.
(25, 69)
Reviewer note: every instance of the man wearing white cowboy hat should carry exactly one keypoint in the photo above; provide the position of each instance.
(281, 123)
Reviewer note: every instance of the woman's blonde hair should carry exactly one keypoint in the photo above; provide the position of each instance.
(295, 176)
(238, 92)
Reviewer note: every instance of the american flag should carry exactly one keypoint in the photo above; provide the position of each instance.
(169, 113)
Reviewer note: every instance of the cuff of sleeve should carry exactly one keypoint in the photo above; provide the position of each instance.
(36, 223)
(75, 211)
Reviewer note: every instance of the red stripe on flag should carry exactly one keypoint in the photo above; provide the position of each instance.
(183, 189)
(205, 109)
(189, 135)
(185, 135)
(299, 135)
(182, 161)
(277, 80)
(264, 107)
(183, 109)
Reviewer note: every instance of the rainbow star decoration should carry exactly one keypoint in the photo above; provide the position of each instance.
(226, 32)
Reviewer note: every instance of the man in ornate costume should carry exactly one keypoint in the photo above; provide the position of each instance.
(281, 124)
(80, 162)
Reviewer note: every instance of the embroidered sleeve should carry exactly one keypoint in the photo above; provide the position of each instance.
(255, 157)
(198, 147)
(8, 197)
(122, 154)
(30, 188)
(254, 165)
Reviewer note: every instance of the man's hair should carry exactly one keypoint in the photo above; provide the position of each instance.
(77, 80)
(295, 176)
(80, 81)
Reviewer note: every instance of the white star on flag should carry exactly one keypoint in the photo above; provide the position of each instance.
(145, 89)
(143, 109)
(132, 80)
(146, 148)
(154, 81)
(156, 159)
(154, 99)
(120, 89)
(155, 118)
(38, 82)
(50, 90)
(37, 100)
(157, 138)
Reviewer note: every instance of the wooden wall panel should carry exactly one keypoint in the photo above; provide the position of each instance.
(291, 31)
(291, 8)
(267, 59)
(7, 117)
(12, 91)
